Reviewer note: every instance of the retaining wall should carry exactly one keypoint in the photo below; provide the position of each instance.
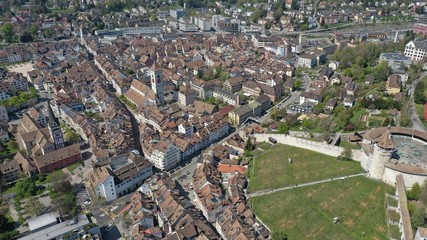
(320, 147)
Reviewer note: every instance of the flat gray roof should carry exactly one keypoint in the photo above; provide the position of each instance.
(43, 220)
(58, 229)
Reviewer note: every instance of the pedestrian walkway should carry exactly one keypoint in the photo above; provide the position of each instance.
(266, 192)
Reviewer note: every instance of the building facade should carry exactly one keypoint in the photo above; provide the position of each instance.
(416, 50)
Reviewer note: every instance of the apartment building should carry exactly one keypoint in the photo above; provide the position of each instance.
(416, 50)
(120, 175)
(164, 155)
(4, 117)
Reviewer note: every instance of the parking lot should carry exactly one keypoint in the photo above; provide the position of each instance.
(82, 198)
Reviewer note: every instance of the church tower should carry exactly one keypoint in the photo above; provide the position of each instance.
(383, 149)
(55, 129)
(157, 82)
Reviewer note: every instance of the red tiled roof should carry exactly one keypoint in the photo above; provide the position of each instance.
(226, 168)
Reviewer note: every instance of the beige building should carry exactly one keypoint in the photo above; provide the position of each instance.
(239, 115)
(187, 96)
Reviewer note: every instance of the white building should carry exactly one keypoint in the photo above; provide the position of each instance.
(163, 155)
(309, 97)
(416, 50)
(186, 128)
(122, 175)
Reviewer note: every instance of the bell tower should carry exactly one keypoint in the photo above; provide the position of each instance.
(55, 129)
(156, 75)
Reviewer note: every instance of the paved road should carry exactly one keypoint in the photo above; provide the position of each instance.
(416, 122)
(287, 101)
(266, 192)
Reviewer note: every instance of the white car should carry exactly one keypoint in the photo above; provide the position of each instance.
(87, 201)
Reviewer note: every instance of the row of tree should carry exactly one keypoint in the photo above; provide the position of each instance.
(419, 93)
(20, 98)
(417, 205)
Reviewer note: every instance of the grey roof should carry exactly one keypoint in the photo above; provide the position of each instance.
(58, 230)
(394, 56)
(42, 221)
(240, 111)
(421, 44)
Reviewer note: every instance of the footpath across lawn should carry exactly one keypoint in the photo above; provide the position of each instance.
(272, 168)
(308, 212)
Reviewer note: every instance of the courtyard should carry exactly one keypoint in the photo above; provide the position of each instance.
(308, 212)
(271, 168)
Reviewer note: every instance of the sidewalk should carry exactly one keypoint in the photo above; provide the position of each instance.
(266, 192)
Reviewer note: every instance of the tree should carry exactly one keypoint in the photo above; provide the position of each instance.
(267, 25)
(8, 32)
(48, 33)
(417, 216)
(26, 187)
(298, 84)
(419, 95)
(318, 108)
(34, 206)
(26, 37)
(129, 71)
(278, 14)
(7, 228)
(381, 72)
(64, 203)
(283, 128)
(12, 145)
(60, 183)
(256, 15)
(414, 193)
(423, 194)
(249, 146)
(71, 136)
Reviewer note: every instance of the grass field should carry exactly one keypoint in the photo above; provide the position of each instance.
(73, 166)
(308, 212)
(273, 170)
(346, 144)
(420, 111)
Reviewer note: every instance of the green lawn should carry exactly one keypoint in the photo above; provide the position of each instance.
(420, 111)
(50, 175)
(73, 166)
(307, 213)
(357, 115)
(264, 145)
(11, 189)
(395, 232)
(306, 166)
(392, 202)
(394, 216)
(346, 144)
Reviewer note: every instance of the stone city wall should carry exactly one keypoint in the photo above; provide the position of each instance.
(320, 147)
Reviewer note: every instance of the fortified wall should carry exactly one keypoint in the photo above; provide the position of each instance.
(320, 147)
